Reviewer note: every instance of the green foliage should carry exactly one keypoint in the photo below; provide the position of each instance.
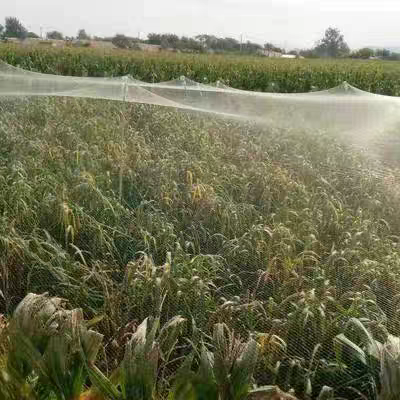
(126, 211)
(123, 42)
(14, 28)
(225, 373)
(32, 35)
(249, 73)
(52, 342)
(200, 43)
(82, 35)
(55, 35)
(332, 44)
(271, 47)
(231, 223)
(364, 53)
(380, 360)
(383, 53)
(137, 376)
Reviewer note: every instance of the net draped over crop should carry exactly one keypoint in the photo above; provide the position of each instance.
(341, 108)
(273, 213)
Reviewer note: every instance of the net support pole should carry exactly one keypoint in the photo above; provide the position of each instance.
(125, 88)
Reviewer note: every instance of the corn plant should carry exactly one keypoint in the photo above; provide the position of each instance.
(224, 373)
(53, 344)
(136, 377)
(380, 360)
(250, 73)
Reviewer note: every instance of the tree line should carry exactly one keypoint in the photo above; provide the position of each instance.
(331, 45)
(13, 28)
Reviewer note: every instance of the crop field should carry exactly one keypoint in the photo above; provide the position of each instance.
(248, 73)
(199, 258)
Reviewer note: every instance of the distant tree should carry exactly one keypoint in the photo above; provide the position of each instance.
(272, 47)
(189, 44)
(169, 40)
(55, 35)
(269, 46)
(123, 42)
(217, 44)
(394, 56)
(15, 29)
(82, 35)
(154, 38)
(32, 35)
(294, 52)
(209, 41)
(332, 44)
(308, 53)
(363, 53)
(164, 39)
(1, 30)
(231, 44)
(250, 47)
(382, 53)
(200, 43)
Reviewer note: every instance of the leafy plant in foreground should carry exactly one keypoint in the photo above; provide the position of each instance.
(225, 373)
(136, 378)
(381, 361)
(50, 345)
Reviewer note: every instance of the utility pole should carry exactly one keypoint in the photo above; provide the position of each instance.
(241, 42)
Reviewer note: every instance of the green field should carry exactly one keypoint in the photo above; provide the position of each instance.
(249, 73)
(288, 237)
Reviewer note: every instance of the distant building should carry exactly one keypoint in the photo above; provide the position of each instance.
(270, 53)
(12, 40)
(171, 49)
(94, 44)
(36, 42)
(153, 48)
(32, 42)
(102, 44)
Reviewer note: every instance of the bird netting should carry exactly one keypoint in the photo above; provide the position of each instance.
(341, 108)
(274, 214)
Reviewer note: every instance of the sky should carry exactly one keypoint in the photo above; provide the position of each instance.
(286, 23)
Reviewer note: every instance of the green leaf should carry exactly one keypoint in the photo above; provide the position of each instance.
(102, 383)
(91, 343)
(342, 343)
(94, 321)
(168, 336)
(326, 393)
(206, 367)
(374, 348)
(243, 370)
(139, 368)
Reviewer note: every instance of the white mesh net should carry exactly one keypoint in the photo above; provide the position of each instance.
(343, 109)
(276, 214)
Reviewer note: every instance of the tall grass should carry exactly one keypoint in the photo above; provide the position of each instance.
(130, 211)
